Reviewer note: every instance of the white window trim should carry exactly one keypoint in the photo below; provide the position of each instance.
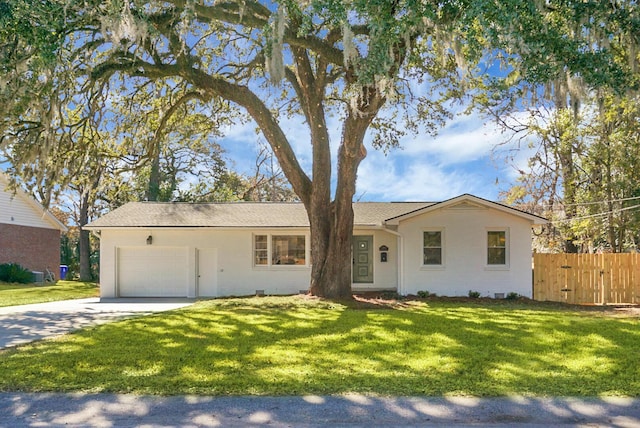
(442, 265)
(507, 256)
(253, 250)
(271, 266)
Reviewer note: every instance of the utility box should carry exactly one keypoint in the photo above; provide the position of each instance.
(38, 277)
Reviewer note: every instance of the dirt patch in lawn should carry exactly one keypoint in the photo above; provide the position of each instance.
(391, 300)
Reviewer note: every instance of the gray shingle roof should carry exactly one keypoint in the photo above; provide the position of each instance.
(239, 214)
(374, 213)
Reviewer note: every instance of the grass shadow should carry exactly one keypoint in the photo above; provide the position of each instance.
(296, 345)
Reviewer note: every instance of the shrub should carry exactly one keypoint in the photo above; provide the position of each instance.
(13, 272)
(423, 294)
(512, 296)
(474, 294)
(390, 295)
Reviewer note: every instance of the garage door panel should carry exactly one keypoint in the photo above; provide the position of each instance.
(152, 271)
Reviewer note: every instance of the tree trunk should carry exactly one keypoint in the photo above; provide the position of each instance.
(85, 256)
(331, 223)
(153, 191)
(331, 273)
(608, 182)
(84, 240)
(566, 160)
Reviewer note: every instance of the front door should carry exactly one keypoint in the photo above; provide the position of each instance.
(363, 259)
(207, 272)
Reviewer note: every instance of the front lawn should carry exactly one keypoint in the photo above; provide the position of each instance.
(23, 294)
(298, 345)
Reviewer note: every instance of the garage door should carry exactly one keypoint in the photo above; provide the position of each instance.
(152, 272)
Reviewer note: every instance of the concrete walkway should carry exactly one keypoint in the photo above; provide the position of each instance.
(103, 410)
(26, 323)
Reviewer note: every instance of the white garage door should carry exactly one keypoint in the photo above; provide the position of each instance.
(152, 272)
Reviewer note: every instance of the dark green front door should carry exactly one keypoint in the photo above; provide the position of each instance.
(362, 259)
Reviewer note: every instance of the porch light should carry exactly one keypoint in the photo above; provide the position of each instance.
(149, 240)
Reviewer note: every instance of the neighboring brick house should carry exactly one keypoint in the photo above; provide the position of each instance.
(29, 234)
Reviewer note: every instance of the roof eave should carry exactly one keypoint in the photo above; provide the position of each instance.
(46, 215)
(537, 220)
(156, 226)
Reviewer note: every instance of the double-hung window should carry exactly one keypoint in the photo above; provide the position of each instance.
(279, 250)
(260, 250)
(432, 248)
(497, 248)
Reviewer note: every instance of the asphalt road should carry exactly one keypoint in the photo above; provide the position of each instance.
(102, 410)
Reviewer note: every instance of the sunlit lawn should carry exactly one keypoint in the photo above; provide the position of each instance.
(295, 345)
(22, 294)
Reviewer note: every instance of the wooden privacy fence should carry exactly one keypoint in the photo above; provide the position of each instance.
(589, 279)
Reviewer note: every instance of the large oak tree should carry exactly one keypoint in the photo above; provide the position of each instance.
(313, 61)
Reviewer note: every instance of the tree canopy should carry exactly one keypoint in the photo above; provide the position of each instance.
(580, 127)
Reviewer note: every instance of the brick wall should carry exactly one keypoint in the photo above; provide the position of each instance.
(32, 247)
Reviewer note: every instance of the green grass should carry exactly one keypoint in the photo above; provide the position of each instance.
(293, 345)
(23, 294)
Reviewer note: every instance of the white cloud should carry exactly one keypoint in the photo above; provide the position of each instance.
(464, 158)
(416, 180)
(470, 155)
(464, 139)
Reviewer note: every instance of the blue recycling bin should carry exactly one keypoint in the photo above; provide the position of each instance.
(63, 271)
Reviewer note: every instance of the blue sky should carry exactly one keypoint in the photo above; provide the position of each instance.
(465, 157)
(462, 158)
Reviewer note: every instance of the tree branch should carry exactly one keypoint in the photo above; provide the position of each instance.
(254, 15)
(271, 130)
(191, 95)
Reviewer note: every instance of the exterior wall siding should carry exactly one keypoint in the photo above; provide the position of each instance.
(464, 265)
(236, 273)
(32, 247)
(15, 210)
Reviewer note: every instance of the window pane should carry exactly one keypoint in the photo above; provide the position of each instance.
(497, 248)
(432, 239)
(261, 242)
(261, 256)
(288, 250)
(497, 239)
(497, 256)
(432, 248)
(432, 256)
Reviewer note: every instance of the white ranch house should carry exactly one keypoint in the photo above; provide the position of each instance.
(233, 249)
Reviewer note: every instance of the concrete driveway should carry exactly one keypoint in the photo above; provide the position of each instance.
(26, 323)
